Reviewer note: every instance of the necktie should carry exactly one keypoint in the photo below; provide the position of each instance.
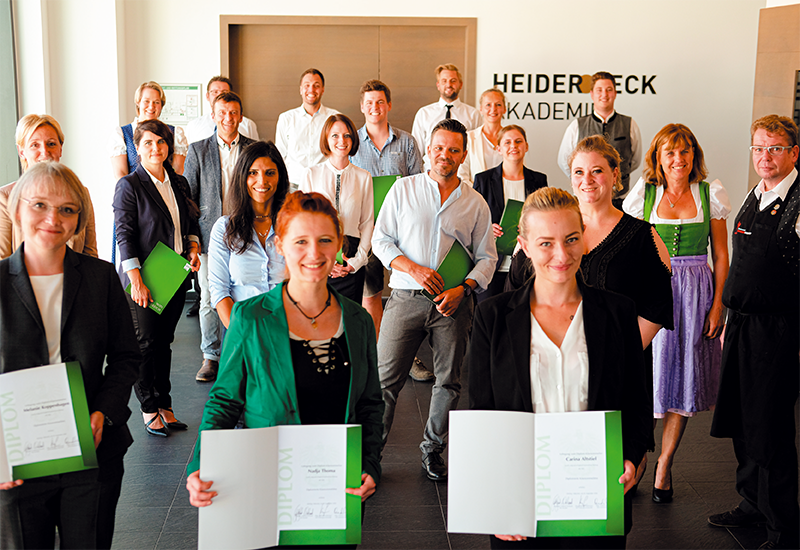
(338, 189)
(447, 116)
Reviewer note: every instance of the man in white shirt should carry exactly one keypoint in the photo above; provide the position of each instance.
(202, 127)
(759, 378)
(297, 132)
(421, 219)
(449, 84)
(621, 131)
(209, 169)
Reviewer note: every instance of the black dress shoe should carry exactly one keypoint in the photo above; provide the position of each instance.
(662, 496)
(434, 466)
(736, 518)
(177, 425)
(161, 432)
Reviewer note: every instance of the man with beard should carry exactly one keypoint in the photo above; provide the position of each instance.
(297, 132)
(449, 84)
(421, 218)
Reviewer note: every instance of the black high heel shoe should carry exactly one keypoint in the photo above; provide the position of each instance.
(161, 432)
(177, 425)
(662, 496)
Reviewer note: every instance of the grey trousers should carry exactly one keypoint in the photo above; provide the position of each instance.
(408, 318)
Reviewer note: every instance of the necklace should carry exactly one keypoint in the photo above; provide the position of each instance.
(312, 319)
(261, 219)
(672, 204)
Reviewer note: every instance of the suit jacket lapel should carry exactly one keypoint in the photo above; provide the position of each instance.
(594, 326)
(277, 331)
(150, 187)
(216, 166)
(529, 183)
(22, 285)
(518, 327)
(72, 282)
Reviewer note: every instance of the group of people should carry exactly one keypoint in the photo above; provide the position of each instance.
(609, 302)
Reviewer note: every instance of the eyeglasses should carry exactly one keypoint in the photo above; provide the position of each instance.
(774, 150)
(41, 207)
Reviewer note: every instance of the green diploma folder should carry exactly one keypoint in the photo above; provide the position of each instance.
(510, 224)
(454, 268)
(163, 273)
(45, 422)
(380, 188)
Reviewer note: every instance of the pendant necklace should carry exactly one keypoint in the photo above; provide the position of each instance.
(672, 204)
(312, 319)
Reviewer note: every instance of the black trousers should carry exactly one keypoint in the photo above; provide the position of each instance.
(562, 543)
(68, 502)
(771, 492)
(155, 334)
(110, 478)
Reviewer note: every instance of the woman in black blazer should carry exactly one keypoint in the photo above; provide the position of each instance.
(555, 323)
(512, 176)
(153, 205)
(44, 287)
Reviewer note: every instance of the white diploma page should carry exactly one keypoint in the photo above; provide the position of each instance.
(270, 480)
(490, 486)
(38, 417)
(570, 466)
(518, 473)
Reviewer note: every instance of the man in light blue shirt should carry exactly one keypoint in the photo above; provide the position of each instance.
(384, 151)
(421, 218)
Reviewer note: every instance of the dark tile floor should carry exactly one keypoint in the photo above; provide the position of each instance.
(408, 511)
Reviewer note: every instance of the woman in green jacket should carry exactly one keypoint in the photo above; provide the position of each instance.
(300, 353)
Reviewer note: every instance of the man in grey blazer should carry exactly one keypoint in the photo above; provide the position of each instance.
(209, 169)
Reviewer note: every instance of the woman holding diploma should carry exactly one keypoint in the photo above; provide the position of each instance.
(58, 306)
(349, 188)
(509, 180)
(301, 353)
(557, 345)
(152, 205)
(242, 256)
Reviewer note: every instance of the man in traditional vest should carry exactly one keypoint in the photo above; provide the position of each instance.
(759, 381)
(621, 131)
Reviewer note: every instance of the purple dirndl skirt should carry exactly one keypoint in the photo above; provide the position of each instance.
(685, 364)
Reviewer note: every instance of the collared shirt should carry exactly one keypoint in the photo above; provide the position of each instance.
(297, 138)
(414, 223)
(165, 190)
(227, 159)
(241, 276)
(570, 140)
(204, 126)
(481, 155)
(355, 202)
(765, 198)
(118, 146)
(560, 375)
(430, 115)
(398, 157)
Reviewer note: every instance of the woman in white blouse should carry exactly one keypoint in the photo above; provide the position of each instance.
(688, 213)
(349, 188)
(557, 345)
(482, 150)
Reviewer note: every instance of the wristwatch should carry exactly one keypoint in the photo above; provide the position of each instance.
(467, 288)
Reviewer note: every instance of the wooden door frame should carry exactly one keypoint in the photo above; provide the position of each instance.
(469, 24)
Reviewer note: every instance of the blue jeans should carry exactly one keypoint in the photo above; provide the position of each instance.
(410, 317)
(210, 324)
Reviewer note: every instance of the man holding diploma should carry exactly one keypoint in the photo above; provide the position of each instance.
(420, 221)
(556, 345)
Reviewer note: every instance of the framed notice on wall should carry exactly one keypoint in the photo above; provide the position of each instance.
(183, 103)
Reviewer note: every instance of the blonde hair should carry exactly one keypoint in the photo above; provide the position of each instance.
(599, 145)
(28, 124)
(57, 177)
(137, 96)
(547, 199)
(776, 124)
(494, 90)
(448, 67)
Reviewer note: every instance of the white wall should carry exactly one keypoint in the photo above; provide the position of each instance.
(702, 51)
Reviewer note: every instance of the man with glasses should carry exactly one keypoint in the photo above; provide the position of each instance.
(759, 380)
